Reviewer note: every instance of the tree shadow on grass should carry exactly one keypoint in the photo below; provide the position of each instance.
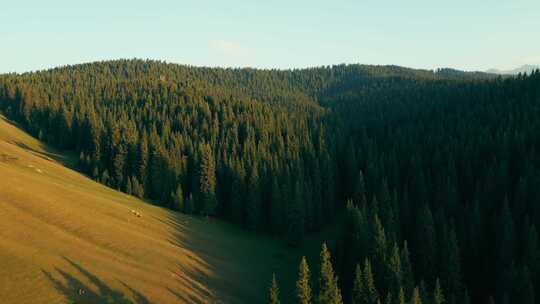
(76, 291)
(218, 263)
(66, 158)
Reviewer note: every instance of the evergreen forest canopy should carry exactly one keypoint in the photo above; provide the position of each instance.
(437, 173)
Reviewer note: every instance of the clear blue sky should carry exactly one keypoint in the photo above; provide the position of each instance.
(470, 35)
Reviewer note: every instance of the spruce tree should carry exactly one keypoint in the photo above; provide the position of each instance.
(296, 218)
(137, 188)
(207, 182)
(415, 297)
(425, 244)
(178, 199)
(253, 201)
(273, 297)
(129, 186)
(303, 285)
(407, 271)
(379, 245)
(358, 286)
(450, 267)
(359, 192)
(276, 207)
(371, 295)
(329, 292)
(394, 272)
(142, 162)
(401, 297)
(438, 297)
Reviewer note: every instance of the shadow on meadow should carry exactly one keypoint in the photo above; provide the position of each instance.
(75, 291)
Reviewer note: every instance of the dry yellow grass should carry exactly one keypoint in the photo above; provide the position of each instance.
(66, 239)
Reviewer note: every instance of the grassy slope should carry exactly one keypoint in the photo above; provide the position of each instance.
(61, 232)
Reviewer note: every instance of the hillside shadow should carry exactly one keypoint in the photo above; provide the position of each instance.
(217, 272)
(47, 152)
(75, 291)
(233, 265)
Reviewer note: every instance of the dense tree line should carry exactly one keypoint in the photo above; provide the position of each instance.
(440, 169)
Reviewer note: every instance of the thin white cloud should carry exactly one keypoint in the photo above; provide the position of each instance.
(229, 48)
(534, 60)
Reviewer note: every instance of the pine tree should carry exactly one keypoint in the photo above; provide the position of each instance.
(275, 208)
(119, 162)
(358, 286)
(329, 292)
(303, 286)
(129, 186)
(394, 272)
(359, 192)
(142, 163)
(401, 297)
(178, 199)
(207, 182)
(379, 250)
(274, 291)
(296, 218)
(426, 244)
(238, 195)
(451, 266)
(415, 297)
(371, 295)
(137, 188)
(406, 266)
(438, 297)
(253, 202)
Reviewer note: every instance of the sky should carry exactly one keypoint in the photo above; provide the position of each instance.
(467, 35)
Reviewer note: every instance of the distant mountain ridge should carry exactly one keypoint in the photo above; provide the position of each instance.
(527, 68)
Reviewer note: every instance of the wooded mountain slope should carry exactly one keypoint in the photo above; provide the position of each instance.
(440, 168)
(67, 239)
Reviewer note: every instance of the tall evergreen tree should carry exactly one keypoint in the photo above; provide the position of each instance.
(358, 286)
(296, 218)
(178, 199)
(273, 297)
(438, 297)
(329, 292)
(407, 271)
(415, 297)
(426, 244)
(303, 285)
(401, 297)
(253, 202)
(450, 267)
(371, 295)
(207, 182)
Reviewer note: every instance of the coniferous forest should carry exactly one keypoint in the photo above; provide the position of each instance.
(433, 177)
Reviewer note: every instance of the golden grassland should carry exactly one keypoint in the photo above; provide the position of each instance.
(67, 239)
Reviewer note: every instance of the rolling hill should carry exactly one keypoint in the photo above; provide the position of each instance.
(524, 69)
(67, 239)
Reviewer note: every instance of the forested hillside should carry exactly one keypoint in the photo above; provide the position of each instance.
(437, 172)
